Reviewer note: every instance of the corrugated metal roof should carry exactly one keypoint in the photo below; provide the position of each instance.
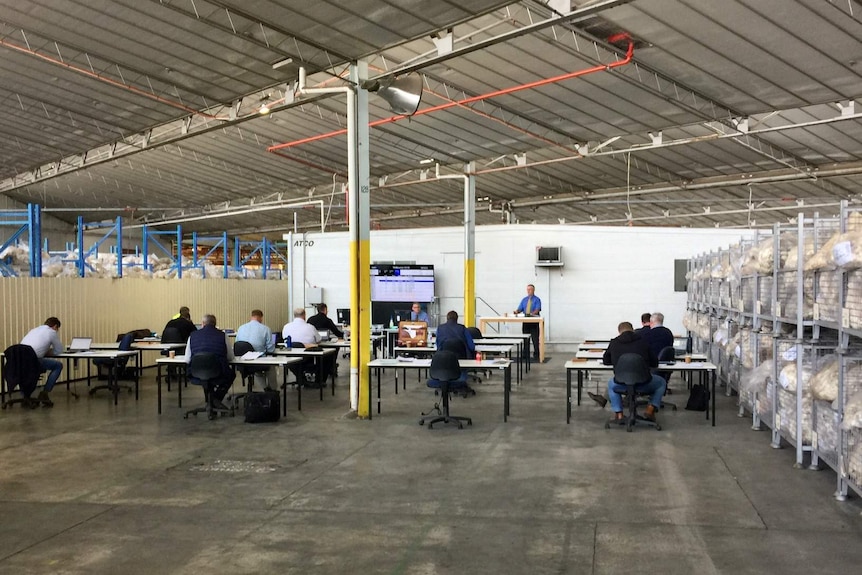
(733, 113)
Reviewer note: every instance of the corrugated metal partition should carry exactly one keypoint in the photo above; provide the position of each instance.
(103, 308)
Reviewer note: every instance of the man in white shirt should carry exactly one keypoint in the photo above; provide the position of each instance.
(299, 330)
(45, 342)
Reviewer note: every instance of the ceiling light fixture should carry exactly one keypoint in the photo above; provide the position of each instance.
(282, 63)
(427, 161)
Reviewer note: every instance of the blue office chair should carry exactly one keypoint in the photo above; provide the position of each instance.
(446, 377)
(459, 348)
(630, 370)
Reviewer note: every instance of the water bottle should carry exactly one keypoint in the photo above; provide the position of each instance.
(288, 343)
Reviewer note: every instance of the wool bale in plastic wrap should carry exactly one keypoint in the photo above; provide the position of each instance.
(759, 258)
(752, 382)
(824, 383)
(853, 298)
(764, 399)
(788, 297)
(822, 258)
(689, 319)
(787, 413)
(847, 251)
(854, 221)
(789, 375)
(853, 412)
(854, 460)
(764, 288)
(790, 253)
(826, 426)
(703, 326)
(827, 296)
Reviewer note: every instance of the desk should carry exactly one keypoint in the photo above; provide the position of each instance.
(484, 321)
(317, 354)
(380, 364)
(140, 345)
(113, 355)
(260, 361)
(594, 354)
(593, 344)
(504, 349)
(520, 339)
(705, 369)
(274, 361)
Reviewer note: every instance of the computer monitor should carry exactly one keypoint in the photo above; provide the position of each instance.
(342, 314)
(324, 334)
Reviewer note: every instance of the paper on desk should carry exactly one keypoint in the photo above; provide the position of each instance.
(251, 355)
(402, 358)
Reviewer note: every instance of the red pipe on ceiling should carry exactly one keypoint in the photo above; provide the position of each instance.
(568, 76)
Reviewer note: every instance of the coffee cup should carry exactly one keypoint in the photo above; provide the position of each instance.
(172, 353)
(688, 358)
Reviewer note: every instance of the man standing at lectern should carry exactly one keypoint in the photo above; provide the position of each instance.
(531, 306)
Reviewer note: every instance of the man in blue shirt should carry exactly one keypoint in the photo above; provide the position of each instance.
(531, 306)
(256, 333)
(259, 336)
(454, 334)
(416, 313)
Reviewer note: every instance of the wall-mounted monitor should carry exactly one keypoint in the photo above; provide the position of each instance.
(549, 255)
(402, 283)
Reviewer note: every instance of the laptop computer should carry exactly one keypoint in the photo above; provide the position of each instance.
(79, 344)
(324, 334)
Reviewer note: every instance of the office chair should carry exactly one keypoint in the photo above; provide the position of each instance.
(630, 370)
(118, 363)
(21, 369)
(246, 372)
(205, 367)
(446, 377)
(666, 354)
(460, 350)
(304, 371)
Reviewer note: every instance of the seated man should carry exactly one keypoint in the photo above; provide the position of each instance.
(300, 331)
(630, 342)
(453, 336)
(416, 313)
(259, 336)
(321, 322)
(210, 339)
(45, 343)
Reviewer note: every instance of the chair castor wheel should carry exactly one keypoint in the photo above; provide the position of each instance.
(607, 425)
(657, 427)
(421, 422)
(629, 428)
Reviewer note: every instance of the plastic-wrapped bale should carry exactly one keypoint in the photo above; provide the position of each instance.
(689, 318)
(787, 413)
(764, 398)
(752, 382)
(826, 427)
(788, 376)
(703, 327)
(854, 222)
(759, 258)
(847, 251)
(854, 460)
(17, 258)
(853, 298)
(790, 254)
(764, 288)
(822, 258)
(788, 297)
(827, 296)
(824, 383)
(853, 412)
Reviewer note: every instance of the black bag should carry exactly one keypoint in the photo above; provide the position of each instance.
(262, 407)
(698, 399)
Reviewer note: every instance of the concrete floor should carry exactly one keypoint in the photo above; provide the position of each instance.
(92, 488)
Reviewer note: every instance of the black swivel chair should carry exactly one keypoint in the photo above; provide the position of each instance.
(21, 369)
(205, 367)
(446, 377)
(667, 354)
(630, 370)
(460, 350)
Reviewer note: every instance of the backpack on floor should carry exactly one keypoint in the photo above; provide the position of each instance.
(698, 399)
(262, 407)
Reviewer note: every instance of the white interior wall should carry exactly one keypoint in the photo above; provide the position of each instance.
(611, 274)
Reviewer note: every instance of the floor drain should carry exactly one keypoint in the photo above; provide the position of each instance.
(230, 466)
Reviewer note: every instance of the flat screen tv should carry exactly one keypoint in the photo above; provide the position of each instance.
(402, 283)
